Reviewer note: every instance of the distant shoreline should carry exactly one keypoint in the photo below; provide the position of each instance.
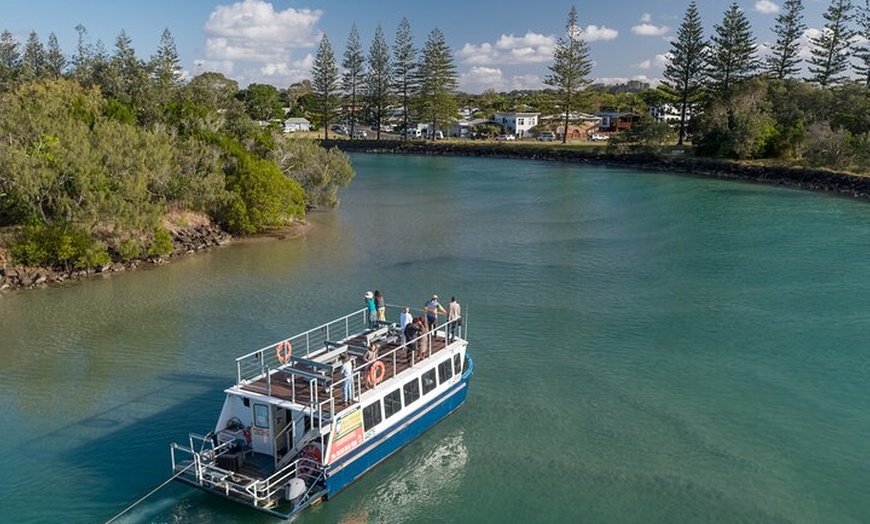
(818, 180)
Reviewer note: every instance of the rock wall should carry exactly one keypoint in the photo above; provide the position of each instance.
(846, 184)
(184, 242)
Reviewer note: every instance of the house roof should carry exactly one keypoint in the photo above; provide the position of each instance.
(296, 120)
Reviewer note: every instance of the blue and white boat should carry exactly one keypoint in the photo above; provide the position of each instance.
(286, 438)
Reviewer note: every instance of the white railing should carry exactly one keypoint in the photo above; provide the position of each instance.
(255, 364)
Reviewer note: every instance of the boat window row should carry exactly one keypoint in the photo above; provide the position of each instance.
(411, 391)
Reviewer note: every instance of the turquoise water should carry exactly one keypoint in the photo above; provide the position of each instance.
(648, 348)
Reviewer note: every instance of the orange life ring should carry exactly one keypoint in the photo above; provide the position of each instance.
(376, 373)
(283, 351)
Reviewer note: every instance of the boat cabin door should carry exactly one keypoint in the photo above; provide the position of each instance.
(268, 422)
(261, 430)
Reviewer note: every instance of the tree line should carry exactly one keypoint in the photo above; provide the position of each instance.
(731, 102)
(99, 147)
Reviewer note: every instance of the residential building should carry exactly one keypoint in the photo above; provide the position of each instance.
(517, 123)
(293, 124)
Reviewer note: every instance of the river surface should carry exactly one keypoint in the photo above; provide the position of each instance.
(648, 348)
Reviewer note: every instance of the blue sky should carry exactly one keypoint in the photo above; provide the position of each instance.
(501, 45)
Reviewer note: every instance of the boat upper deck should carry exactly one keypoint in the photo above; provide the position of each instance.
(305, 370)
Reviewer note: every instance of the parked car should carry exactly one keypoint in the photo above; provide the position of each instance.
(546, 136)
(360, 133)
(598, 137)
(505, 137)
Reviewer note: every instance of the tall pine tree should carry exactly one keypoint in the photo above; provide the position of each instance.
(378, 79)
(438, 82)
(353, 78)
(685, 71)
(405, 70)
(325, 81)
(570, 70)
(732, 54)
(10, 61)
(830, 49)
(55, 61)
(862, 52)
(784, 59)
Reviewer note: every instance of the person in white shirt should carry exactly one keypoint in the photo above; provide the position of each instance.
(347, 374)
(454, 317)
(405, 318)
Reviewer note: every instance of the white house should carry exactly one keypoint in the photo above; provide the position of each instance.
(294, 124)
(517, 123)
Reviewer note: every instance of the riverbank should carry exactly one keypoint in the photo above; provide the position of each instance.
(676, 161)
(198, 235)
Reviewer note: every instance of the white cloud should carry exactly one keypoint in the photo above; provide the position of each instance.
(531, 48)
(660, 61)
(479, 79)
(766, 6)
(613, 80)
(253, 36)
(593, 33)
(646, 29)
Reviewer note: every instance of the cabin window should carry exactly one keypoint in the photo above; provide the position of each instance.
(428, 381)
(412, 391)
(372, 415)
(457, 364)
(445, 371)
(261, 416)
(392, 403)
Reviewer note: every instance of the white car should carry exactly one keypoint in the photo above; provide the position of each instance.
(505, 137)
(360, 133)
(547, 136)
(598, 137)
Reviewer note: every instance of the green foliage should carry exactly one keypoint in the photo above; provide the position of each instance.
(571, 67)
(161, 243)
(320, 172)
(738, 126)
(650, 135)
(128, 249)
(59, 246)
(684, 74)
(260, 196)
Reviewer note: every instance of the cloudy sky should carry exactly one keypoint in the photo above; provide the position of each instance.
(500, 45)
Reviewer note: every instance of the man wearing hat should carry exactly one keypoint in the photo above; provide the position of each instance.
(370, 305)
(432, 309)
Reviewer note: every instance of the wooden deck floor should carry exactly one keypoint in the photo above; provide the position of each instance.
(297, 389)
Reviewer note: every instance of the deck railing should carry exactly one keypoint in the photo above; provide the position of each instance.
(256, 364)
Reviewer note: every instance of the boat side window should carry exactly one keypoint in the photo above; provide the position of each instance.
(412, 391)
(371, 415)
(445, 371)
(429, 381)
(392, 403)
(457, 364)
(261, 416)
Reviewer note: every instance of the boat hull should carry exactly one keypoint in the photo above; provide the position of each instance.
(349, 468)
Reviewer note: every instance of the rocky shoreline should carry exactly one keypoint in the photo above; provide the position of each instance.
(845, 184)
(185, 241)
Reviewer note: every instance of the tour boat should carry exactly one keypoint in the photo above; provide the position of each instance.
(286, 438)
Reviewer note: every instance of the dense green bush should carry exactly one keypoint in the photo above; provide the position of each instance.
(63, 247)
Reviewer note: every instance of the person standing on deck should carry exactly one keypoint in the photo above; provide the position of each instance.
(454, 317)
(381, 306)
(433, 307)
(410, 333)
(404, 320)
(425, 340)
(370, 306)
(347, 374)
